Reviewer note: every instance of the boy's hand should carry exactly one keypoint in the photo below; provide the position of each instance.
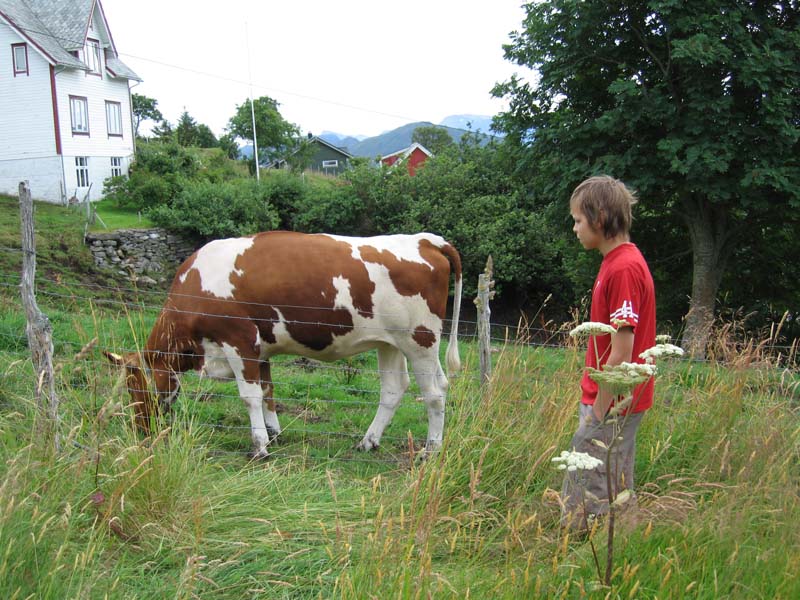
(621, 351)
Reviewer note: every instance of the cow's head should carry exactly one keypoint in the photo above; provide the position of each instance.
(146, 383)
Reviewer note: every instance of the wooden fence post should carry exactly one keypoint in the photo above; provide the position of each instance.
(38, 329)
(485, 294)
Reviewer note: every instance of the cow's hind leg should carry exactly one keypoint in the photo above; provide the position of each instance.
(432, 384)
(394, 382)
(268, 402)
(246, 370)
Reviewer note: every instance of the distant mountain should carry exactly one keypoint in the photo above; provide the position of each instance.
(480, 123)
(389, 142)
(342, 141)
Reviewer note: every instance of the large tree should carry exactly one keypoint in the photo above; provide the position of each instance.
(696, 104)
(189, 132)
(274, 134)
(144, 109)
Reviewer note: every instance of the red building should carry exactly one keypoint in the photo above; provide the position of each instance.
(413, 156)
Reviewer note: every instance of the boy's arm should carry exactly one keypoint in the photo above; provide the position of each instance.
(621, 351)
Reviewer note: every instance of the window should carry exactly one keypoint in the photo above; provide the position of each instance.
(79, 113)
(20, 58)
(91, 56)
(114, 118)
(116, 166)
(330, 164)
(82, 171)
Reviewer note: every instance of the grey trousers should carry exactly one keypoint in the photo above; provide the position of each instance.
(587, 490)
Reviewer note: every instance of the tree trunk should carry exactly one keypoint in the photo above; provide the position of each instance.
(708, 231)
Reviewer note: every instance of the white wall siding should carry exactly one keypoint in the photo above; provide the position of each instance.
(99, 170)
(96, 91)
(44, 175)
(26, 108)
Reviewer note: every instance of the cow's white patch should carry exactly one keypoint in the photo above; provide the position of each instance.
(216, 262)
(215, 362)
(404, 247)
(344, 299)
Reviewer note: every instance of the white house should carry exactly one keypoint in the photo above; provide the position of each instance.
(65, 102)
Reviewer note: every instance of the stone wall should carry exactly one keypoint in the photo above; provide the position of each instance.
(146, 255)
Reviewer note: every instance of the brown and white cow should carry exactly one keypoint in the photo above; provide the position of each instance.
(237, 302)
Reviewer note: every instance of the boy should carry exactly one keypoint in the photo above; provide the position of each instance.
(622, 296)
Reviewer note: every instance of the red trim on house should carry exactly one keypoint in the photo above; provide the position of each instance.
(95, 5)
(98, 57)
(72, 122)
(27, 70)
(121, 125)
(56, 123)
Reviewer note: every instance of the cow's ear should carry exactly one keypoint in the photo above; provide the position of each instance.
(114, 359)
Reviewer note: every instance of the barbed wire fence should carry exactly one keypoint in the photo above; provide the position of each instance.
(482, 332)
(42, 353)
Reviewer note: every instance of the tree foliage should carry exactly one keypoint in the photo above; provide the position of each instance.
(696, 104)
(189, 133)
(435, 139)
(144, 109)
(275, 135)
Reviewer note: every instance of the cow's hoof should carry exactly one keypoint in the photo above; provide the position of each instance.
(368, 443)
(260, 455)
(430, 451)
(272, 434)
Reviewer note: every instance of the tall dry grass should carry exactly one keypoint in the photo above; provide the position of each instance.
(121, 516)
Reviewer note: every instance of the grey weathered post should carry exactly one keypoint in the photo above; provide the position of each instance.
(38, 329)
(485, 294)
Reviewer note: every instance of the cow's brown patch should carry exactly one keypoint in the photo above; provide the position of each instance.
(424, 336)
(296, 273)
(411, 278)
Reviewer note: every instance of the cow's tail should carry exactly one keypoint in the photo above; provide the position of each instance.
(452, 357)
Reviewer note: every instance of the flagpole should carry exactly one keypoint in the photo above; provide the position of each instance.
(252, 107)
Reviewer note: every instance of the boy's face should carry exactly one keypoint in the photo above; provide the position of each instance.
(590, 236)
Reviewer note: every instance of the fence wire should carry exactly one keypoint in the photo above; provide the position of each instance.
(136, 301)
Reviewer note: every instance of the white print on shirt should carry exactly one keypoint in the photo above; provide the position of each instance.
(625, 312)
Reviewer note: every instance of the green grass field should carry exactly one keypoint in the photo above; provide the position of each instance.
(111, 217)
(185, 514)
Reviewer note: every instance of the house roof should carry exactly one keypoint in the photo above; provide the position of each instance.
(342, 151)
(56, 27)
(405, 152)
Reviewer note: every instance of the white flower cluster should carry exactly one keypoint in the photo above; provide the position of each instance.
(660, 351)
(577, 461)
(663, 339)
(622, 377)
(592, 328)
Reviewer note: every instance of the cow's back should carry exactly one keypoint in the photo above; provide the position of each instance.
(314, 289)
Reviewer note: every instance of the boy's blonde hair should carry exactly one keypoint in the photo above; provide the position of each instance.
(606, 202)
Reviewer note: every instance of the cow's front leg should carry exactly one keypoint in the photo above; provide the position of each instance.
(268, 402)
(246, 371)
(394, 382)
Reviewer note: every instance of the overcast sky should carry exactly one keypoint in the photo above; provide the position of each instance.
(356, 67)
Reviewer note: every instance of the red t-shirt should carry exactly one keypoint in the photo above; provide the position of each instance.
(623, 290)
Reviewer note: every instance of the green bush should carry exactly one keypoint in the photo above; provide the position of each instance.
(286, 192)
(331, 208)
(216, 210)
(157, 175)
